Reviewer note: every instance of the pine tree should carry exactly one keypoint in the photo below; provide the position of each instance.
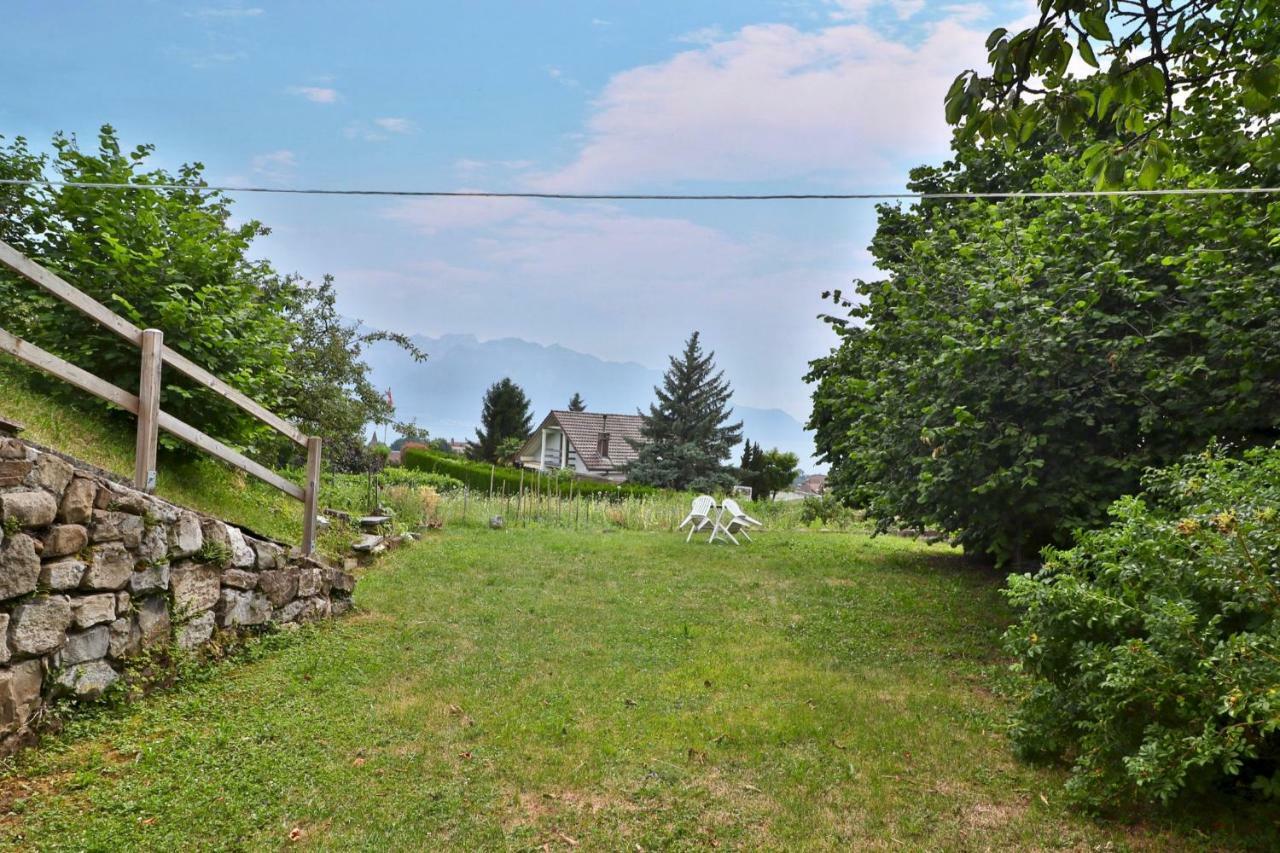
(576, 403)
(687, 437)
(506, 414)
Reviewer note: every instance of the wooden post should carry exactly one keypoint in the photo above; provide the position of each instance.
(144, 454)
(311, 496)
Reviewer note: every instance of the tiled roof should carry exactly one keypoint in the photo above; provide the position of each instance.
(584, 429)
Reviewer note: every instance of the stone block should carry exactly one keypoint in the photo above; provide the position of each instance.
(279, 585)
(77, 501)
(239, 579)
(51, 474)
(4, 638)
(110, 568)
(121, 499)
(214, 532)
(154, 545)
(11, 448)
(149, 579)
(90, 610)
(341, 582)
(19, 566)
(62, 574)
(13, 472)
(185, 536)
(268, 555)
(28, 509)
(242, 556)
(153, 621)
(303, 610)
(195, 587)
(39, 626)
(19, 694)
(63, 540)
(125, 639)
(111, 526)
(196, 631)
(122, 602)
(238, 607)
(87, 681)
(85, 646)
(310, 582)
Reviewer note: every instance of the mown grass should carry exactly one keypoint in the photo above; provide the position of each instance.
(539, 688)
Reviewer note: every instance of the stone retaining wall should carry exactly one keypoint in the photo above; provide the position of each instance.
(93, 573)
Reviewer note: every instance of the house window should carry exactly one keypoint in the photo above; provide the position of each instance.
(602, 445)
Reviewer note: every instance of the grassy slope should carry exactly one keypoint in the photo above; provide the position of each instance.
(528, 687)
(86, 431)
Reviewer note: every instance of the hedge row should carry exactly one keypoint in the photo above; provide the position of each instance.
(477, 475)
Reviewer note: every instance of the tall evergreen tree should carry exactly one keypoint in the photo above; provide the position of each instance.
(576, 403)
(687, 434)
(506, 414)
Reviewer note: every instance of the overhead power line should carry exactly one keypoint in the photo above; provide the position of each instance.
(1176, 191)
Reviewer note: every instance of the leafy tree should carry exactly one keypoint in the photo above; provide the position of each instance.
(174, 261)
(1169, 67)
(776, 469)
(576, 403)
(327, 389)
(1024, 361)
(687, 434)
(509, 447)
(506, 414)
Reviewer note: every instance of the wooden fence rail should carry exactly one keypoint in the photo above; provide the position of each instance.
(146, 404)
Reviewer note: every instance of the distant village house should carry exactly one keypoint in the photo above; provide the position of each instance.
(591, 444)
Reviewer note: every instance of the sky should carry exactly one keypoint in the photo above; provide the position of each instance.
(721, 96)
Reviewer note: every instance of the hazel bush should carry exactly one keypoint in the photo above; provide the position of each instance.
(1153, 644)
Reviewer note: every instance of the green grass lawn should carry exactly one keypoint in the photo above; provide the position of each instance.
(510, 690)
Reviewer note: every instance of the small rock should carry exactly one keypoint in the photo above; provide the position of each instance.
(62, 540)
(28, 509)
(341, 582)
(339, 606)
(196, 631)
(77, 501)
(239, 579)
(185, 537)
(122, 602)
(52, 474)
(367, 543)
(195, 588)
(88, 681)
(497, 522)
(149, 579)
(39, 626)
(110, 568)
(4, 637)
(84, 646)
(153, 621)
(11, 448)
(154, 546)
(269, 555)
(19, 566)
(215, 533)
(90, 610)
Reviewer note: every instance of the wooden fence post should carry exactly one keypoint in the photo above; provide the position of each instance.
(311, 496)
(144, 455)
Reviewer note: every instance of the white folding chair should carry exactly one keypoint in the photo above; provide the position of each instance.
(739, 521)
(700, 516)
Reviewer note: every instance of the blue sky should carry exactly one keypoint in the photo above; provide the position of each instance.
(595, 97)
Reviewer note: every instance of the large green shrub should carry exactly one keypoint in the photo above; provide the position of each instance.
(1153, 645)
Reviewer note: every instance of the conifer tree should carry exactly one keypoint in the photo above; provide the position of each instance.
(687, 434)
(576, 403)
(506, 414)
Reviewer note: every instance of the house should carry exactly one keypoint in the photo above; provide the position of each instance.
(814, 484)
(591, 444)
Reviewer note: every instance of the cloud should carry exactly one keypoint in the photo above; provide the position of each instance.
(275, 165)
(316, 94)
(773, 102)
(227, 13)
(395, 125)
(560, 77)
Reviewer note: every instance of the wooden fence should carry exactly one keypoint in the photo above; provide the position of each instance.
(146, 404)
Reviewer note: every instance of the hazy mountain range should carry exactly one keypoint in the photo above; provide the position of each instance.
(444, 393)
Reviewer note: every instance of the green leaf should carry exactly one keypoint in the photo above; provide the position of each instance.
(1104, 100)
(1150, 173)
(1086, 52)
(1095, 24)
(996, 34)
(1266, 79)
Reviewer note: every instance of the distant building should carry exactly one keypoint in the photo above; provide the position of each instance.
(591, 444)
(814, 484)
